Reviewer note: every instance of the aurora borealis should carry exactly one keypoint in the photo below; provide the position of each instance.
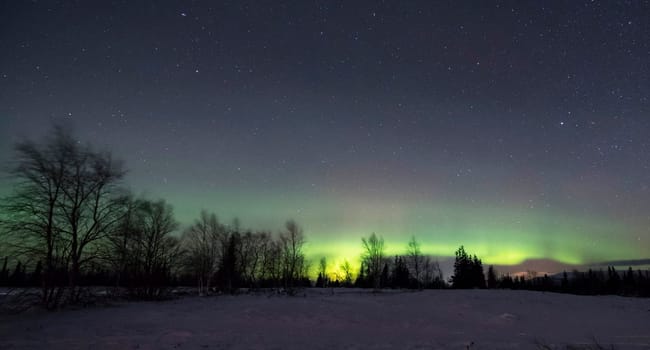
(519, 129)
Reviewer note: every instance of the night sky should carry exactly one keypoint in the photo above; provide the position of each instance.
(519, 129)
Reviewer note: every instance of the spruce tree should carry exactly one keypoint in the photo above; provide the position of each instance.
(384, 278)
(461, 265)
(478, 277)
(492, 278)
(565, 282)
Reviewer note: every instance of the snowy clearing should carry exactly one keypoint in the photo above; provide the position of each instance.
(344, 319)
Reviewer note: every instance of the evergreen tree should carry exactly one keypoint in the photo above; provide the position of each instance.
(322, 267)
(461, 269)
(400, 277)
(506, 282)
(478, 277)
(361, 280)
(228, 274)
(468, 271)
(613, 280)
(384, 278)
(320, 282)
(628, 279)
(565, 281)
(492, 278)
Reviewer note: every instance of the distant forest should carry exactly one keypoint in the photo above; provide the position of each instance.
(70, 224)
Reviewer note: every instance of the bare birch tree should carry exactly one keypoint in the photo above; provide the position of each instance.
(373, 257)
(201, 242)
(293, 258)
(415, 259)
(63, 205)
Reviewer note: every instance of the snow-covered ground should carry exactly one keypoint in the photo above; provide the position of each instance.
(344, 319)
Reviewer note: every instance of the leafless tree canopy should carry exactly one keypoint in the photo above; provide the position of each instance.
(373, 257)
(68, 217)
(346, 269)
(64, 204)
(415, 259)
(294, 265)
(201, 242)
(151, 250)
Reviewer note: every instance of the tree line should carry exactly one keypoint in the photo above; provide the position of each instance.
(70, 223)
(591, 282)
(70, 218)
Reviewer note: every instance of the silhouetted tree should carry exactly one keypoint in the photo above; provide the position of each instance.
(400, 276)
(415, 260)
(201, 244)
(468, 271)
(362, 280)
(477, 275)
(122, 244)
(628, 283)
(347, 273)
(492, 278)
(613, 280)
(432, 274)
(294, 266)
(150, 250)
(272, 262)
(319, 281)
(252, 254)
(322, 273)
(384, 278)
(506, 282)
(564, 284)
(462, 265)
(373, 258)
(229, 273)
(62, 207)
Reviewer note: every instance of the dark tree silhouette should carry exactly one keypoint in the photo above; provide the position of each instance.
(229, 274)
(565, 281)
(384, 278)
(491, 278)
(415, 260)
(322, 280)
(148, 252)
(347, 273)
(362, 280)
(201, 245)
(468, 271)
(373, 258)
(63, 206)
(477, 275)
(400, 276)
(294, 265)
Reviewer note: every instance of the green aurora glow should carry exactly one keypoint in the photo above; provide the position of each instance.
(458, 123)
(500, 235)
